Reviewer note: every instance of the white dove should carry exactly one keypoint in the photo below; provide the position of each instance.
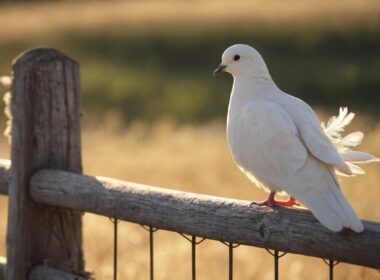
(277, 140)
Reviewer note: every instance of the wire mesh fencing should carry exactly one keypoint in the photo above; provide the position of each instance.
(194, 241)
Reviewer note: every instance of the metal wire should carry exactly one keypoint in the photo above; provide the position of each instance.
(231, 246)
(193, 263)
(276, 256)
(331, 269)
(194, 242)
(151, 231)
(115, 222)
(151, 252)
(331, 264)
(230, 261)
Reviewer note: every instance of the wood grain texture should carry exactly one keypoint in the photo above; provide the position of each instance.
(46, 273)
(45, 104)
(288, 230)
(5, 176)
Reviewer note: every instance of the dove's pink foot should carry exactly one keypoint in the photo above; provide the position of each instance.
(270, 201)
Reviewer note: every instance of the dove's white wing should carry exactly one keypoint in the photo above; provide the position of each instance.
(313, 136)
(265, 143)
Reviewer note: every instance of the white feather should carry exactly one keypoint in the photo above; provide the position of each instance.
(335, 125)
(358, 157)
(333, 130)
(356, 169)
(353, 139)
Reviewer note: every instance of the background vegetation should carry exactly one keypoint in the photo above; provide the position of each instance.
(148, 59)
(148, 92)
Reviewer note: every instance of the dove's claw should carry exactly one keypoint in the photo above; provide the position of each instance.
(262, 203)
(270, 201)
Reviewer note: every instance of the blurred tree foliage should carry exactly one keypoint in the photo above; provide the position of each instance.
(169, 73)
(163, 75)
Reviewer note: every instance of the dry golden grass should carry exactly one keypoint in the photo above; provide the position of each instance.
(194, 159)
(29, 21)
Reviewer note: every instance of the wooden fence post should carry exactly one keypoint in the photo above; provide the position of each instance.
(45, 134)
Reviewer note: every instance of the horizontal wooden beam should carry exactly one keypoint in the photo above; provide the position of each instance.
(5, 176)
(46, 273)
(288, 230)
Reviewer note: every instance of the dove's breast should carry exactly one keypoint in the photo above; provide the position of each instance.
(264, 143)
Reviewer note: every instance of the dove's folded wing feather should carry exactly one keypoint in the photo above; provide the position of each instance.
(314, 137)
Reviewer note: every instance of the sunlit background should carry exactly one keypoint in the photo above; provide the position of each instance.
(154, 114)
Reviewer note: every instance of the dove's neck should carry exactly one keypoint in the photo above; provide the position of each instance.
(250, 88)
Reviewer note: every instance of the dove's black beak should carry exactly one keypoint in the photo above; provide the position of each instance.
(219, 70)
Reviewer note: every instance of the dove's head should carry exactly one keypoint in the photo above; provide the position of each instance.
(240, 59)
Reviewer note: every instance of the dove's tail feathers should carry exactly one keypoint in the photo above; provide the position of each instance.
(322, 206)
(335, 213)
(358, 157)
(331, 208)
(354, 222)
(352, 158)
(351, 140)
(335, 126)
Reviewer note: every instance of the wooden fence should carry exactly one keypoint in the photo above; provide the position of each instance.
(48, 193)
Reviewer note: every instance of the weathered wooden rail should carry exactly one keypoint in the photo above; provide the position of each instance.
(288, 230)
(47, 192)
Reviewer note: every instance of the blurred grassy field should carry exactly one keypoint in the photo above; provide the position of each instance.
(148, 59)
(149, 63)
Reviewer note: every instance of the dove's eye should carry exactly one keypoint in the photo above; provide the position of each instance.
(236, 57)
